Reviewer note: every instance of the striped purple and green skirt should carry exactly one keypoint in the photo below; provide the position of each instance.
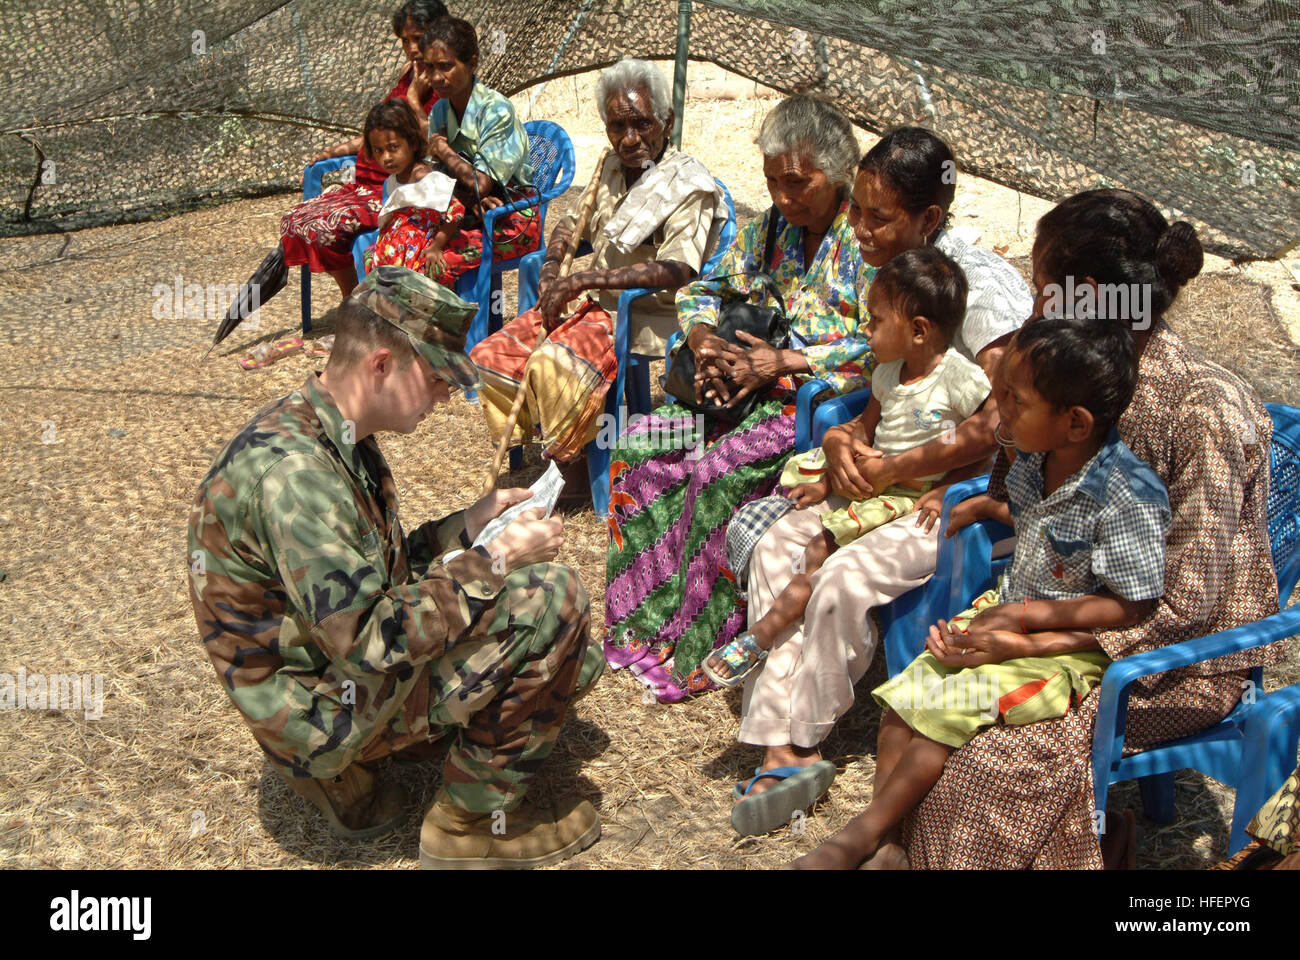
(669, 598)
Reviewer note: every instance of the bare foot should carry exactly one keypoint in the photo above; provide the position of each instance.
(1117, 841)
(786, 756)
(890, 856)
(835, 854)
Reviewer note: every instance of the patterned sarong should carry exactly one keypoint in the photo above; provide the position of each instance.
(565, 385)
(670, 598)
(319, 232)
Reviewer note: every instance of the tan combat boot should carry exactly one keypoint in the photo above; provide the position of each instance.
(452, 839)
(356, 803)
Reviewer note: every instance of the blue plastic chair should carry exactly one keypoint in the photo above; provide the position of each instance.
(597, 455)
(551, 155)
(1254, 747)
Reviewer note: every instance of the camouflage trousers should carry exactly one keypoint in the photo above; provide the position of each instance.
(503, 693)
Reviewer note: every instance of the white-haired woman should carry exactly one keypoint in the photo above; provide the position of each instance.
(669, 599)
(656, 214)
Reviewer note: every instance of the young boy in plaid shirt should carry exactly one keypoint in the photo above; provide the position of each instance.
(1090, 521)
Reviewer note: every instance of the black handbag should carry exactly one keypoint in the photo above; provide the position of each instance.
(767, 323)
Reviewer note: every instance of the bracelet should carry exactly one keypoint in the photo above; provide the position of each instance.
(1023, 610)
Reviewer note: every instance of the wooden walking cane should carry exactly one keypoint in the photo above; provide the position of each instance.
(586, 205)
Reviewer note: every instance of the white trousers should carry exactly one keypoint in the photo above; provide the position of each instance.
(806, 682)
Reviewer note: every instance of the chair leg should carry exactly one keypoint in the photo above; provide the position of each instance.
(598, 475)
(306, 300)
(516, 457)
(1158, 797)
(639, 381)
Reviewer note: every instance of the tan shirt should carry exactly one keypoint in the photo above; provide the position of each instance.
(683, 236)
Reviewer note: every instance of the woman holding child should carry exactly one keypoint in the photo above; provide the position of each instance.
(1022, 796)
(822, 645)
(319, 232)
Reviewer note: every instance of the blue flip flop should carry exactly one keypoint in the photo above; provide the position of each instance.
(800, 788)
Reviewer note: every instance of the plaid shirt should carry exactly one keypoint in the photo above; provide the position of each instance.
(1103, 527)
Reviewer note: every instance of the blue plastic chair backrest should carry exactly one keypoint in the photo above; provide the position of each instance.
(726, 237)
(550, 152)
(1284, 497)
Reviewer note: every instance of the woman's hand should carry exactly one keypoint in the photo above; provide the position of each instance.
(710, 378)
(491, 506)
(972, 649)
(878, 470)
(439, 148)
(843, 451)
(750, 367)
(421, 84)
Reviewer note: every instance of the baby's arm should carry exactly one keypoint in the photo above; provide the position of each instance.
(807, 494)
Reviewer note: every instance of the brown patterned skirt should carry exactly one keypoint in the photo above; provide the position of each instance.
(1022, 797)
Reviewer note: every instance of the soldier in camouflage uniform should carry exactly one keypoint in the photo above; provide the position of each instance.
(341, 639)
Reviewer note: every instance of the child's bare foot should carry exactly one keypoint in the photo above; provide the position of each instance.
(784, 756)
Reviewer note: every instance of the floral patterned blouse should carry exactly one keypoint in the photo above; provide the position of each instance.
(826, 301)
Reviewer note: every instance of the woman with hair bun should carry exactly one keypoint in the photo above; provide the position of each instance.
(1017, 797)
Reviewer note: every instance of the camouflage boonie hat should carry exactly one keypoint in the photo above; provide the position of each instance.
(430, 314)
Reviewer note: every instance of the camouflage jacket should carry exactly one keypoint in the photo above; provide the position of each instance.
(317, 611)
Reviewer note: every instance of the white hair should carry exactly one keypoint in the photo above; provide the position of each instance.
(630, 74)
(812, 129)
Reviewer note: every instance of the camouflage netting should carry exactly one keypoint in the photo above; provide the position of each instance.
(149, 108)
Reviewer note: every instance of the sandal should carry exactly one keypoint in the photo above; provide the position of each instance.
(263, 355)
(742, 655)
(319, 348)
(799, 789)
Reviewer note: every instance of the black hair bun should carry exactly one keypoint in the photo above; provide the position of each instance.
(1179, 256)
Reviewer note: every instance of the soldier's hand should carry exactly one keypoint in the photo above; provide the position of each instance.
(529, 539)
(491, 506)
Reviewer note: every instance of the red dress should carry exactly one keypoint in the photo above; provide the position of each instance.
(319, 232)
(405, 239)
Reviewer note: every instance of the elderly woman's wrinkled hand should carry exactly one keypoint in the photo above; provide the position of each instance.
(710, 377)
(750, 366)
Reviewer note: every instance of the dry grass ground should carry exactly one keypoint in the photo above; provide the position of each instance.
(107, 423)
